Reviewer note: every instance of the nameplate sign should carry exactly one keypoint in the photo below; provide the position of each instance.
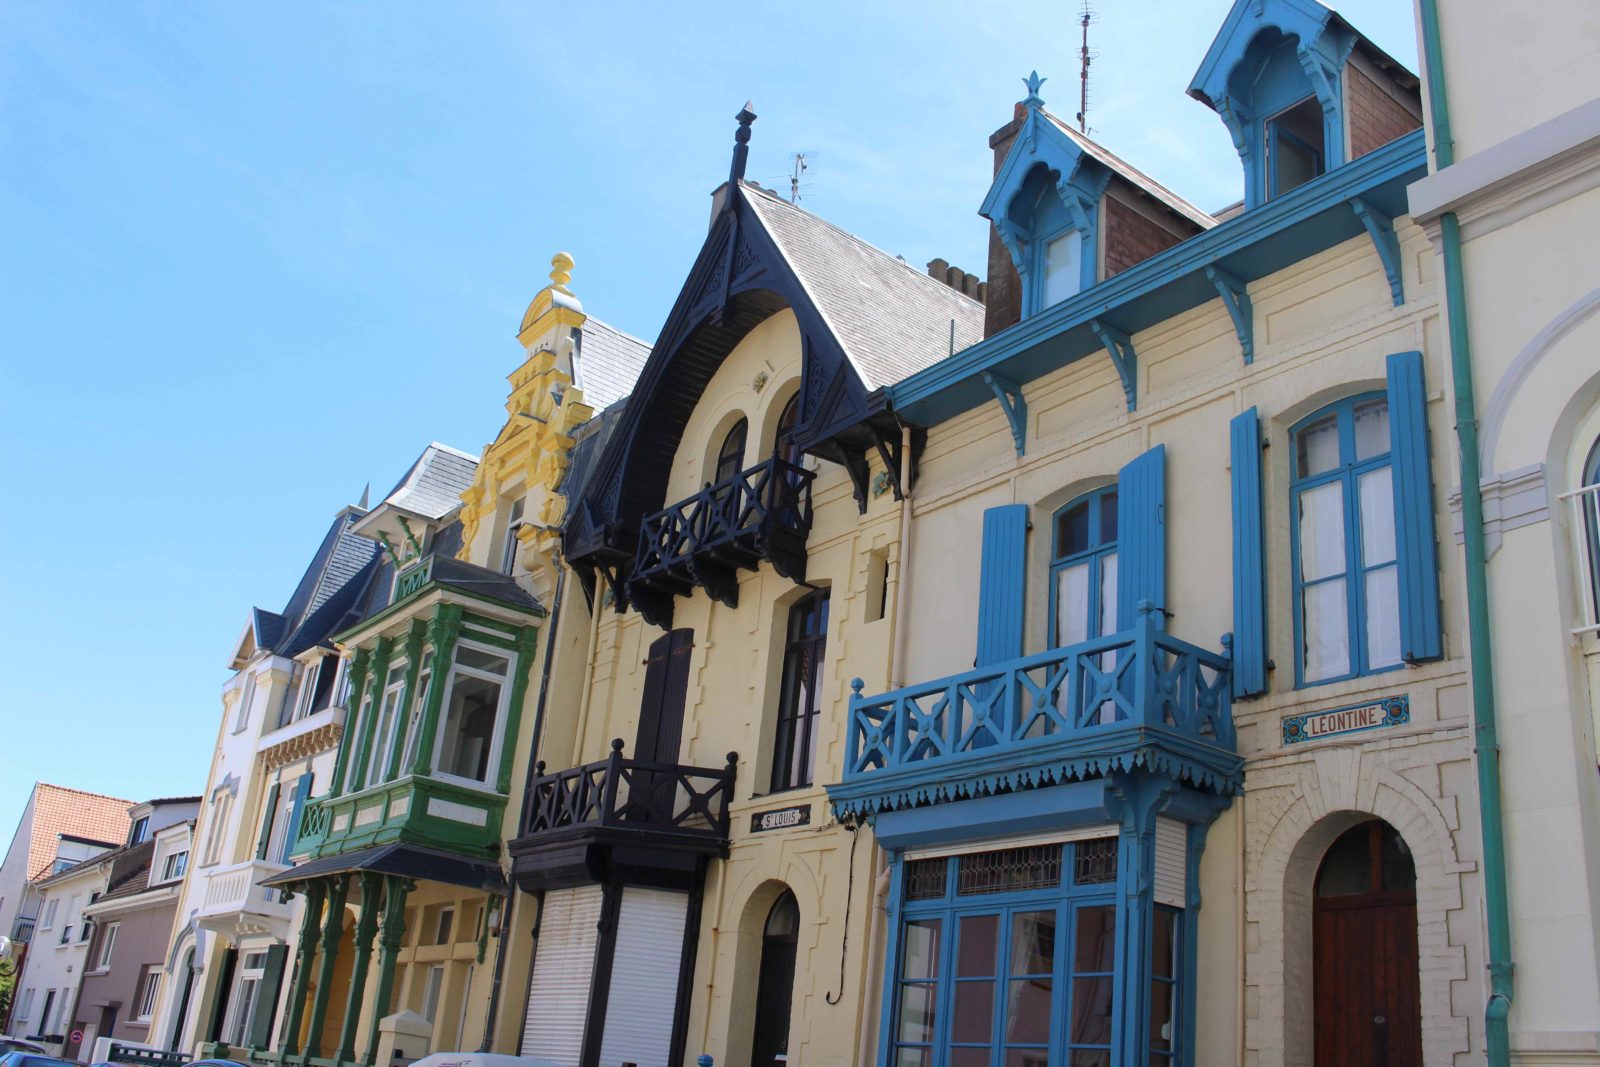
(1375, 715)
(780, 818)
(412, 580)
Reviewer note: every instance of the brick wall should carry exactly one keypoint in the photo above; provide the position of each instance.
(1131, 237)
(1003, 303)
(1375, 117)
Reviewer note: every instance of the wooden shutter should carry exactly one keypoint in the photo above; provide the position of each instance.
(666, 685)
(1249, 558)
(1002, 583)
(1416, 548)
(644, 976)
(1142, 536)
(563, 969)
(267, 997)
(225, 992)
(302, 791)
(271, 814)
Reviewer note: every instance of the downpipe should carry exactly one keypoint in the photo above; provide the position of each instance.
(1486, 748)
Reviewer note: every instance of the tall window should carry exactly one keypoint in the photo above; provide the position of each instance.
(1061, 264)
(1083, 568)
(242, 1010)
(508, 548)
(1294, 146)
(216, 825)
(419, 700)
(388, 717)
(799, 700)
(730, 457)
(140, 831)
(108, 945)
(468, 740)
(1588, 502)
(246, 695)
(783, 443)
(144, 998)
(1346, 581)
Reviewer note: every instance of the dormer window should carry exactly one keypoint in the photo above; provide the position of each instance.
(141, 830)
(1062, 269)
(1295, 147)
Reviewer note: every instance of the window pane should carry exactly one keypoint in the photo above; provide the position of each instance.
(1164, 955)
(1108, 518)
(975, 958)
(1095, 862)
(1317, 446)
(1372, 428)
(468, 729)
(1383, 618)
(924, 879)
(1072, 530)
(480, 660)
(916, 1013)
(1027, 1057)
(971, 1057)
(1399, 870)
(913, 1057)
(1327, 632)
(1376, 490)
(1033, 942)
(1347, 866)
(1091, 1011)
(973, 1012)
(1096, 948)
(1091, 1058)
(1072, 604)
(1108, 597)
(921, 949)
(1028, 1012)
(1062, 274)
(1322, 532)
(1160, 1016)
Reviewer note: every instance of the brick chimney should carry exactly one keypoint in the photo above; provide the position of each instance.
(958, 279)
(1004, 304)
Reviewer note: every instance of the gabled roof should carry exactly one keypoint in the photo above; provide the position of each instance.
(433, 486)
(130, 871)
(890, 318)
(58, 810)
(608, 363)
(1132, 175)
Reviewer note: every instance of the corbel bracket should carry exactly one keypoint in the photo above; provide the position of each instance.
(1013, 404)
(888, 449)
(1126, 360)
(1380, 227)
(411, 538)
(1236, 298)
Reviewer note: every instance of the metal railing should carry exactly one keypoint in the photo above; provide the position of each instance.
(1585, 503)
(1140, 679)
(770, 498)
(145, 1057)
(619, 792)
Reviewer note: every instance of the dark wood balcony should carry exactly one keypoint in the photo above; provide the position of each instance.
(619, 818)
(763, 513)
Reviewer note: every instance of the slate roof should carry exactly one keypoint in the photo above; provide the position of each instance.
(1134, 176)
(588, 443)
(608, 363)
(58, 810)
(891, 318)
(482, 581)
(435, 482)
(325, 594)
(130, 871)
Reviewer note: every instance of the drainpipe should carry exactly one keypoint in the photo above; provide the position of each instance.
(1487, 747)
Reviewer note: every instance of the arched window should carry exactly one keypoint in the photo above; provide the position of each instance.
(783, 442)
(780, 939)
(800, 695)
(1083, 568)
(1346, 580)
(1589, 504)
(730, 457)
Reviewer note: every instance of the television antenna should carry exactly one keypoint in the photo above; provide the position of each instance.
(800, 164)
(1085, 59)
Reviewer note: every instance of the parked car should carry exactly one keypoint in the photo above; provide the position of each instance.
(11, 1044)
(29, 1059)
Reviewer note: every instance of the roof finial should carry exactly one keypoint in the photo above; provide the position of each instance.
(561, 270)
(741, 143)
(366, 493)
(1033, 81)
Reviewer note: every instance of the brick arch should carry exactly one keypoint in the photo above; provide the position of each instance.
(1288, 834)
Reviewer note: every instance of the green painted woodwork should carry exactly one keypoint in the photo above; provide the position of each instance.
(332, 927)
(305, 956)
(399, 811)
(358, 675)
(415, 637)
(374, 704)
(413, 579)
(366, 929)
(527, 648)
(394, 931)
(442, 633)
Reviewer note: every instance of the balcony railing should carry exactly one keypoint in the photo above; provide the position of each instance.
(23, 930)
(428, 811)
(1586, 527)
(1138, 698)
(661, 798)
(233, 901)
(763, 513)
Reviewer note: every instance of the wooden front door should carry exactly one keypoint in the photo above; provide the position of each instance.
(775, 988)
(1366, 974)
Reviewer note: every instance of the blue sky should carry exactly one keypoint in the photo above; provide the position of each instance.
(254, 256)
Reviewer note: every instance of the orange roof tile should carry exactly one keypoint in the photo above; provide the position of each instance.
(58, 810)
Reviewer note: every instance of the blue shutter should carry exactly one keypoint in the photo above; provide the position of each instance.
(1249, 559)
(1002, 583)
(302, 790)
(271, 810)
(1416, 546)
(1142, 536)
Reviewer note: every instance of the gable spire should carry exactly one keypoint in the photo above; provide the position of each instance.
(1033, 82)
(741, 144)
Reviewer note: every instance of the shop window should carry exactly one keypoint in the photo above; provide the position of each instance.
(1346, 576)
(799, 697)
(469, 730)
(1295, 149)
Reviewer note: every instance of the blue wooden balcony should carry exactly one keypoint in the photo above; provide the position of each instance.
(1138, 699)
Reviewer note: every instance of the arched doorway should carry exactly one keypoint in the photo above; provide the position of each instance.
(775, 989)
(1367, 987)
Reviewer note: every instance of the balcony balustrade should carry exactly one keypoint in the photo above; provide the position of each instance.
(656, 815)
(763, 513)
(419, 810)
(234, 904)
(1138, 698)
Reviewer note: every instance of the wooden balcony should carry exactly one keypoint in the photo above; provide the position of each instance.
(413, 809)
(1136, 699)
(763, 513)
(617, 817)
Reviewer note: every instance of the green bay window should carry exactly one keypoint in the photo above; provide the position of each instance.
(468, 743)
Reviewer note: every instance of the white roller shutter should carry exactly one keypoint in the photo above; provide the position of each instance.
(644, 978)
(1172, 862)
(563, 967)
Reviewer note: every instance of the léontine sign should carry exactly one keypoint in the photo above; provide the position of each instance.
(780, 818)
(1388, 711)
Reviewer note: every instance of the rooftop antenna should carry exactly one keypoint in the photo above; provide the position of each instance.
(1086, 57)
(799, 168)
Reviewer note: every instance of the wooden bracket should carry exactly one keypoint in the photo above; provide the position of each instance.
(1380, 227)
(1013, 404)
(1236, 298)
(1126, 360)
